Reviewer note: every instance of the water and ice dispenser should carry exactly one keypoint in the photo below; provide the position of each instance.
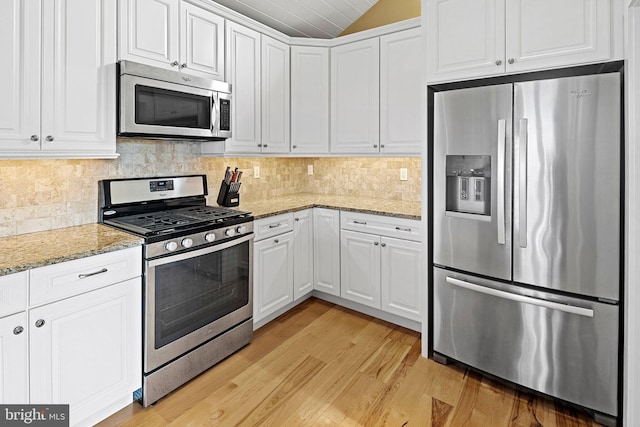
(469, 184)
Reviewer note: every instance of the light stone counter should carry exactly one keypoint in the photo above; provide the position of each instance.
(26, 251)
(296, 202)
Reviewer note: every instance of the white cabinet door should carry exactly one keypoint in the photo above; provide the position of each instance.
(243, 72)
(275, 96)
(303, 253)
(401, 92)
(326, 251)
(14, 359)
(20, 77)
(273, 274)
(85, 351)
(355, 97)
(201, 42)
(402, 278)
(309, 99)
(465, 38)
(65, 105)
(360, 267)
(577, 32)
(149, 32)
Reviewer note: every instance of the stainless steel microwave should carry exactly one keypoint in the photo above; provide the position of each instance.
(163, 104)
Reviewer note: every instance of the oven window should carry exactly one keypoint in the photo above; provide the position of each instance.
(162, 107)
(197, 291)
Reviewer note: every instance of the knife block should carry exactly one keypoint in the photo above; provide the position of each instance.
(229, 195)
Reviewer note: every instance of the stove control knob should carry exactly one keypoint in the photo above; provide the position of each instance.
(209, 237)
(171, 246)
(229, 232)
(241, 229)
(186, 243)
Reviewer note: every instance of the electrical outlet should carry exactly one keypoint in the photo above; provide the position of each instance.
(256, 171)
(309, 169)
(403, 174)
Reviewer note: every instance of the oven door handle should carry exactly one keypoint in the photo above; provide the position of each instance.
(204, 251)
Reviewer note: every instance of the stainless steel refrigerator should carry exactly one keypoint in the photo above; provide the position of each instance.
(526, 234)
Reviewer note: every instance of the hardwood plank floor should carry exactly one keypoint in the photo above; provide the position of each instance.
(325, 365)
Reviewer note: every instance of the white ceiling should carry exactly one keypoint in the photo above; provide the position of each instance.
(323, 19)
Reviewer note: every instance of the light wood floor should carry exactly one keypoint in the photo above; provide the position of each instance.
(321, 364)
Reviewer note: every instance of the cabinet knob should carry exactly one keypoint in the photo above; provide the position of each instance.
(276, 241)
(297, 219)
(175, 63)
(259, 145)
(383, 244)
(183, 65)
(39, 323)
(499, 62)
(376, 243)
(49, 138)
(265, 145)
(18, 330)
(294, 146)
(511, 61)
(35, 138)
(375, 145)
(381, 145)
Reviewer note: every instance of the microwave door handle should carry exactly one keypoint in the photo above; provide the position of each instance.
(214, 113)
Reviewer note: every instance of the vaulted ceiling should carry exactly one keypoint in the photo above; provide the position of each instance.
(303, 18)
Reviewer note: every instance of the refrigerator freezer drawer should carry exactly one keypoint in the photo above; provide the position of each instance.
(563, 347)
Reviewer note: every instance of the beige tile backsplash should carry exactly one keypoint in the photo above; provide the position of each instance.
(37, 195)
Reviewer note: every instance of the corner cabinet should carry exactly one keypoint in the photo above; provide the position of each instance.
(59, 88)
(175, 35)
(326, 251)
(309, 100)
(470, 38)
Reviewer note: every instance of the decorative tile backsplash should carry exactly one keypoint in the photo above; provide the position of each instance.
(38, 195)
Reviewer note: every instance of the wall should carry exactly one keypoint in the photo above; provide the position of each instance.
(385, 12)
(38, 195)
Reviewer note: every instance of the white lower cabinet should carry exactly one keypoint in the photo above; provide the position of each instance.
(302, 253)
(326, 251)
(273, 265)
(14, 359)
(79, 340)
(381, 263)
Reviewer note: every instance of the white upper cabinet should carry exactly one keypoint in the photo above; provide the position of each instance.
(243, 72)
(275, 72)
(59, 87)
(355, 97)
(401, 92)
(174, 35)
(309, 99)
(479, 38)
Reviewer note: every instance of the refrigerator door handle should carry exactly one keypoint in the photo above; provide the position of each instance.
(587, 312)
(522, 182)
(500, 173)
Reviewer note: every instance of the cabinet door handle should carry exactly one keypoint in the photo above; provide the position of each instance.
(183, 65)
(84, 276)
(175, 63)
(511, 61)
(259, 145)
(403, 229)
(49, 138)
(383, 244)
(498, 62)
(376, 243)
(294, 146)
(276, 241)
(355, 221)
(39, 323)
(297, 219)
(276, 225)
(35, 138)
(265, 145)
(18, 330)
(375, 145)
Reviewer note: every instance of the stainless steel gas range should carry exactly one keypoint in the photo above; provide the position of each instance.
(197, 275)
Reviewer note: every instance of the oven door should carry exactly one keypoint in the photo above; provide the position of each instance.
(154, 107)
(192, 297)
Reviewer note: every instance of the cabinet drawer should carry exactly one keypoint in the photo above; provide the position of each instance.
(399, 228)
(13, 293)
(58, 281)
(273, 225)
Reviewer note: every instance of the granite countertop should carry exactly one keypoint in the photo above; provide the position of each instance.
(26, 251)
(296, 202)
